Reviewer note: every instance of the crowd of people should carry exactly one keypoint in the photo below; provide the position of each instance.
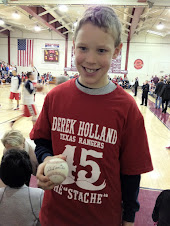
(123, 81)
(159, 88)
(6, 74)
(154, 81)
(6, 68)
(6, 71)
(156, 87)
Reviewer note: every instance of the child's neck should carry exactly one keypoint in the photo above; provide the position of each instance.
(82, 84)
(105, 83)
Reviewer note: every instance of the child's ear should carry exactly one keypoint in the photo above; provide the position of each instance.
(117, 51)
(74, 46)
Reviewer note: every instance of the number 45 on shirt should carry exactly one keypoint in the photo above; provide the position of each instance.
(82, 181)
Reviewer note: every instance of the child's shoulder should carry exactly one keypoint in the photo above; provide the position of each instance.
(36, 192)
(166, 193)
(124, 96)
(126, 103)
(164, 197)
(2, 190)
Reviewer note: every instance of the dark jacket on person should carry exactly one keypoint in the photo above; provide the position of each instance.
(161, 210)
(136, 83)
(159, 88)
(145, 88)
(165, 92)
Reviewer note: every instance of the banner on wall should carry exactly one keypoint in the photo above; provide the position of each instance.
(114, 68)
(73, 59)
(49, 45)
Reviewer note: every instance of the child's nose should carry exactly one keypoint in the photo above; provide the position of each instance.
(91, 57)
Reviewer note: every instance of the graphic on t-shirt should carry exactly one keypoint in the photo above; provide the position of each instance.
(88, 134)
(86, 129)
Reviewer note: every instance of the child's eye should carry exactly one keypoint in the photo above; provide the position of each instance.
(102, 50)
(82, 48)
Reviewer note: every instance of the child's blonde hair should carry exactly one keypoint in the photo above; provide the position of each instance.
(102, 17)
(13, 138)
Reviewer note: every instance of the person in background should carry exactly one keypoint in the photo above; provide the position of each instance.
(23, 77)
(15, 68)
(114, 80)
(10, 70)
(30, 109)
(15, 89)
(13, 139)
(50, 77)
(158, 89)
(161, 210)
(38, 77)
(61, 79)
(66, 74)
(43, 79)
(155, 80)
(136, 86)
(7, 69)
(145, 90)
(131, 84)
(165, 94)
(19, 204)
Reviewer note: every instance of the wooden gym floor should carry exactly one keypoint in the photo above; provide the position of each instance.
(158, 135)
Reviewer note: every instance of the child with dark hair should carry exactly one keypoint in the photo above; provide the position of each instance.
(29, 104)
(23, 202)
(16, 168)
(161, 210)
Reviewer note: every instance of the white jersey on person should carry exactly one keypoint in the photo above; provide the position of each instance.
(15, 84)
(35, 76)
(28, 92)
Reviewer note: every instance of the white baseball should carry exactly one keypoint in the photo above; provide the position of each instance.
(57, 170)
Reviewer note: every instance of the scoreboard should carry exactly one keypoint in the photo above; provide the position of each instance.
(51, 55)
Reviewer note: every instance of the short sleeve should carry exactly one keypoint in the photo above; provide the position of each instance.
(42, 127)
(134, 152)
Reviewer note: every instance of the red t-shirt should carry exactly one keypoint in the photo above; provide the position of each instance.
(101, 135)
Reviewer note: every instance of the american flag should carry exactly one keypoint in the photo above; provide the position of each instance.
(25, 52)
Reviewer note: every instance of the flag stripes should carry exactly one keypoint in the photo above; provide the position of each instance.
(25, 52)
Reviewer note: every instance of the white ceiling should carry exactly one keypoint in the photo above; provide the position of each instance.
(147, 14)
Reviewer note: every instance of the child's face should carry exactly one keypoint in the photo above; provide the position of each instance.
(14, 73)
(31, 77)
(94, 50)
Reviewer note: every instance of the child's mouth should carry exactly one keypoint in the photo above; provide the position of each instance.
(90, 70)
